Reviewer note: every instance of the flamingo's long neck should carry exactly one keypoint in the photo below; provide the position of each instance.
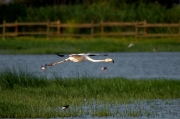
(92, 60)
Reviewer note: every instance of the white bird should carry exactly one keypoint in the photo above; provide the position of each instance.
(44, 68)
(65, 107)
(130, 45)
(104, 68)
(81, 58)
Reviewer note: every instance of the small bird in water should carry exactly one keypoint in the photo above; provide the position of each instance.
(65, 107)
(104, 68)
(44, 68)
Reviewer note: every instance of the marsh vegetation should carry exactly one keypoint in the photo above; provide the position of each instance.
(25, 95)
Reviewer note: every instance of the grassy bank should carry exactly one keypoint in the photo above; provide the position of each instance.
(40, 45)
(25, 95)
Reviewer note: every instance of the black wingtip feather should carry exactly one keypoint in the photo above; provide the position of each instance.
(61, 55)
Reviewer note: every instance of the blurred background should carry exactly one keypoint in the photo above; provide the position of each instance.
(79, 11)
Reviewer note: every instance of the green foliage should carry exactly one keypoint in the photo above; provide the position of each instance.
(71, 30)
(97, 11)
(11, 12)
(11, 109)
(40, 45)
(171, 14)
(153, 13)
(35, 97)
(9, 78)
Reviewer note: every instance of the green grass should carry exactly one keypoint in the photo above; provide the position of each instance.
(40, 45)
(25, 95)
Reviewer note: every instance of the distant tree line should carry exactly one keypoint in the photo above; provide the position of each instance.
(39, 3)
(72, 11)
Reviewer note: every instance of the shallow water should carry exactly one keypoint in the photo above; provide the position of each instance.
(128, 65)
(143, 109)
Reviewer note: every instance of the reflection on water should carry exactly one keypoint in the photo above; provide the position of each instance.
(144, 109)
(129, 65)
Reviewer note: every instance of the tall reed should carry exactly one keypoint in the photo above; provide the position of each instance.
(25, 95)
(97, 12)
(10, 77)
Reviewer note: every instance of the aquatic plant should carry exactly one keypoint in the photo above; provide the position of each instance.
(25, 95)
(10, 77)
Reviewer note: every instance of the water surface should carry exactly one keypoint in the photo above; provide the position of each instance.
(129, 65)
(143, 109)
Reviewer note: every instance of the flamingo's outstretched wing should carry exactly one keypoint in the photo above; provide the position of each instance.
(67, 55)
(62, 55)
(90, 54)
